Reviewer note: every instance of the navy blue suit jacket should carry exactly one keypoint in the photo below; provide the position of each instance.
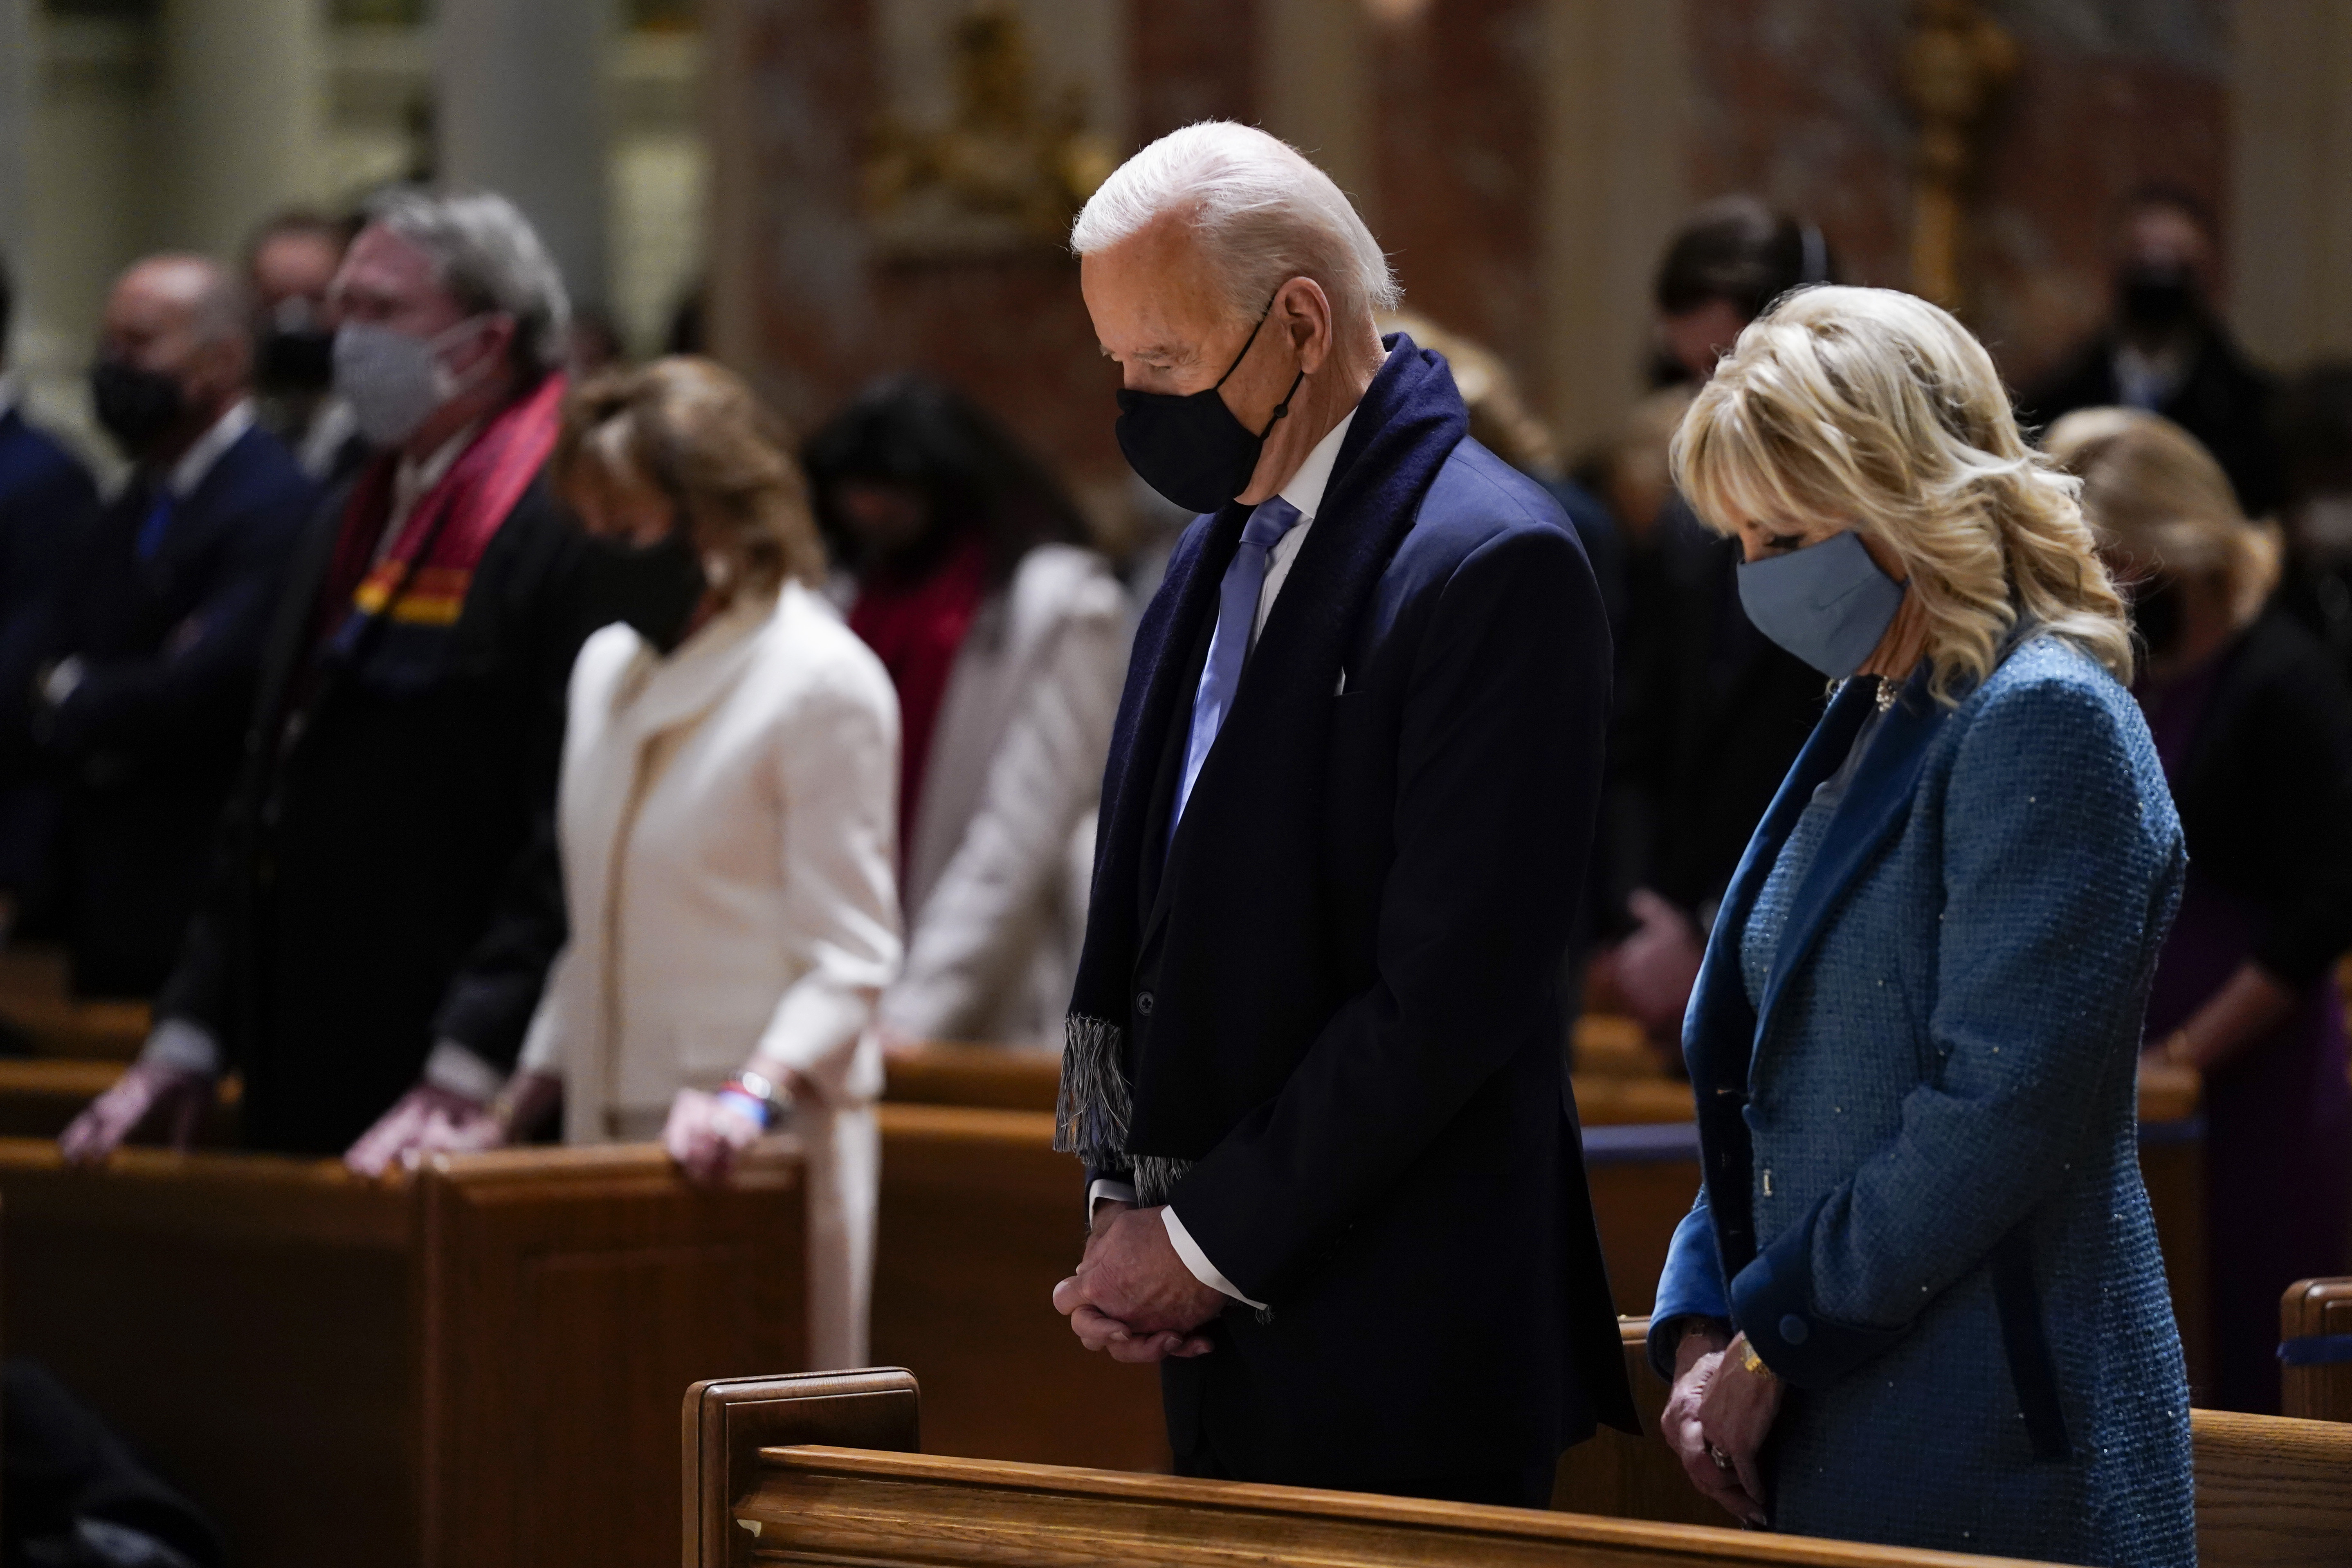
(150, 739)
(1347, 1012)
(46, 500)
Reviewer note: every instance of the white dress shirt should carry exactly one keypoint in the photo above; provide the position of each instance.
(1305, 491)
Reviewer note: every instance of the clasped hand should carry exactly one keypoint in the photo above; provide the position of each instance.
(1132, 1297)
(1716, 1420)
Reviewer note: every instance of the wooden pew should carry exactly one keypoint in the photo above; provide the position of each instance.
(37, 1002)
(2272, 1492)
(823, 1470)
(407, 1373)
(2316, 1347)
(979, 1217)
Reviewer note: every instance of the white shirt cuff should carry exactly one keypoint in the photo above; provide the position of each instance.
(461, 1072)
(1105, 1190)
(1198, 1261)
(62, 679)
(184, 1047)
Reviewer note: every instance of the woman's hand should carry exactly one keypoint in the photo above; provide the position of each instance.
(705, 1133)
(1698, 1364)
(2248, 1005)
(1656, 965)
(1736, 1412)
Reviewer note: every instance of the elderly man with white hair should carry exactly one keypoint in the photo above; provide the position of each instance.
(1313, 1065)
(384, 906)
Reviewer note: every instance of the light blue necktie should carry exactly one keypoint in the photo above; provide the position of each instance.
(1236, 617)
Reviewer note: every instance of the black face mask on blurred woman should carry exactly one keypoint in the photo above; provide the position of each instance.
(133, 405)
(2157, 297)
(296, 360)
(2155, 614)
(654, 588)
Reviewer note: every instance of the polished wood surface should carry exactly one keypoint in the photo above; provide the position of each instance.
(409, 1372)
(2272, 1492)
(727, 1421)
(979, 1219)
(818, 1504)
(2312, 1308)
(36, 1004)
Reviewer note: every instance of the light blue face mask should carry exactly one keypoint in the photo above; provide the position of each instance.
(1828, 603)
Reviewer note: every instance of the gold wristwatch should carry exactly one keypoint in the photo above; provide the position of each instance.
(1753, 1363)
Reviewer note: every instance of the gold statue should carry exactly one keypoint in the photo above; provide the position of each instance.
(1000, 174)
(1955, 68)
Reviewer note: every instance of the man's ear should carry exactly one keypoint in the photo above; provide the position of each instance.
(497, 338)
(1307, 317)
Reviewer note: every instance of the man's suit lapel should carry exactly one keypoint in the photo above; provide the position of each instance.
(1876, 803)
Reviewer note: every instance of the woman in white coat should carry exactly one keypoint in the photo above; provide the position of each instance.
(727, 818)
(1006, 638)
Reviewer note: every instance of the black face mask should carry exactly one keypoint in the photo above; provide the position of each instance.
(299, 360)
(133, 405)
(1190, 449)
(2155, 614)
(654, 588)
(2157, 297)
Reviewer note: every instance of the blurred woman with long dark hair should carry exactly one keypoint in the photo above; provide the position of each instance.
(1006, 637)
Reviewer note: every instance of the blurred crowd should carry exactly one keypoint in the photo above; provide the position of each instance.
(463, 734)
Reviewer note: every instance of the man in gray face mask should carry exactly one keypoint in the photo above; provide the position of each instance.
(386, 908)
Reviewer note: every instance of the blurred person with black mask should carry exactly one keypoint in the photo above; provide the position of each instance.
(290, 268)
(2166, 350)
(967, 570)
(1710, 713)
(157, 643)
(386, 900)
(2314, 423)
(45, 501)
(2254, 727)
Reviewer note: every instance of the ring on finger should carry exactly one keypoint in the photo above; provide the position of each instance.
(1722, 1460)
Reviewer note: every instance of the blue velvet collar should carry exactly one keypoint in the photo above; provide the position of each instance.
(1725, 1034)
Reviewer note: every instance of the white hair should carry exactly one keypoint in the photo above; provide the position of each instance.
(1262, 212)
(489, 259)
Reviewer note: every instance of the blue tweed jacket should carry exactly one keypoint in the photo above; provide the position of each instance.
(1921, 1193)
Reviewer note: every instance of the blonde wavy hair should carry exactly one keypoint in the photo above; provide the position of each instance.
(1875, 408)
(696, 431)
(2159, 502)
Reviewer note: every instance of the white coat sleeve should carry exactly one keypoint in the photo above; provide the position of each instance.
(986, 912)
(837, 759)
(556, 1021)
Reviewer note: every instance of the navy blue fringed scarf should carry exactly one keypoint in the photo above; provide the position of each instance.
(1410, 421)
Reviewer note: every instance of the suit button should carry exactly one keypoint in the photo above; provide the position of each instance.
(1794, 1329)
(1143, 1003)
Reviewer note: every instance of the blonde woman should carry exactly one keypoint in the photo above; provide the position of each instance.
(725, 815)
(1919, 1300)
(2254, 728)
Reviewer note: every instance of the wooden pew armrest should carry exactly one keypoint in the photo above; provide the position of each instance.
(729, 1420)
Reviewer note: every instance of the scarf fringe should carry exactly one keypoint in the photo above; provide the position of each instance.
(1156, 1177)
(1090, 1114)
(1092, 1111)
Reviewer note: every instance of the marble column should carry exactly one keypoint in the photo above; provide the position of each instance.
(1616, 180)
(241, 116)
(2291, 178)
(521, 111)
(16, 125)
